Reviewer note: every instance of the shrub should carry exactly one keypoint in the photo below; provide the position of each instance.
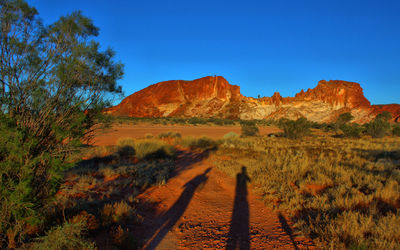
(148, 135)
(342, 193)
(385, 115)
(351, 130)
(125, 147)
(100, 151)
(154, 172)
(344, 118)
(202, 143)
(396, 130)
(230, 135)
(169, 135)
(88, 219)
(295, 129)
(377, 128)
(197, 120)
(118, 212)
(328, 127)
(55, 82)
(68, 236)
(249, 129)
(153, 149)
(146, 148)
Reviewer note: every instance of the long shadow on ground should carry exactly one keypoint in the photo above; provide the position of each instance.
(238, 237)
(169, 219)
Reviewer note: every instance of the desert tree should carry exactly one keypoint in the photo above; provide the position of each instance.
(295, 129)
(344, 118)
(54, 81)
(385, 115)
(379, 127)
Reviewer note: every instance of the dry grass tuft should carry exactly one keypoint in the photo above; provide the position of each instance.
(118, 212)
(345, 193)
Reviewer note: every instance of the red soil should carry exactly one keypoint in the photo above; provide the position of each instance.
(202, 208)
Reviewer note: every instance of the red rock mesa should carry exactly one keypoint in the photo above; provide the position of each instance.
(215, 97)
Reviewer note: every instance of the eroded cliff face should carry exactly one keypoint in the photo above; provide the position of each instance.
(215, 97)
(204, 97)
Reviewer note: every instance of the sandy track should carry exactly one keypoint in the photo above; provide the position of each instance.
(110, 136)
(202, 208)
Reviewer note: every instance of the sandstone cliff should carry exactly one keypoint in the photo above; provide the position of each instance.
(215, 97)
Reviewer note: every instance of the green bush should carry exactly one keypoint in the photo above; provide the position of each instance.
(153, 149)
(328, 127)
(125, 147)
(295, 129)
(202, 143)
(197, 120)
(396, 130)
(385, 115)
(69, 236)
(351, 130)
(117, 212)
(377, 128)
(344, 118)
(55, 82)
(249, 129)
(230, 135)
(169, 135)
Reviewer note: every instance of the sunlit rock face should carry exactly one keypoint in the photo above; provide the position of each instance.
(215, 97)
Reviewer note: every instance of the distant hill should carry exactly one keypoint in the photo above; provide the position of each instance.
(215, 97)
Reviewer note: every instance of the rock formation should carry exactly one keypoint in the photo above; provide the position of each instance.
(215, 97)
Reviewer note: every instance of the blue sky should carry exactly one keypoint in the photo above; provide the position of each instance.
(262, 46)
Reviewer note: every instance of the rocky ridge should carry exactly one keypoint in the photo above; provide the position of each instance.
(213, 96)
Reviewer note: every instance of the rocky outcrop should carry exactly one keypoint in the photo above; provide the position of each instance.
(206, 96)
(215, 97)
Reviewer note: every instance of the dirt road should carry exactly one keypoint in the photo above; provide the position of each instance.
(202, 208)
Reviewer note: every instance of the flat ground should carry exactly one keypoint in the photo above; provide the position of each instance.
(203, 208)
(111, 136)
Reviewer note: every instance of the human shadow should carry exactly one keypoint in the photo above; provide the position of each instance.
(238, 237)
(170, 218)
(287, 229)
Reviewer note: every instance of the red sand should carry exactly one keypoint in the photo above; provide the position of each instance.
(201, 208)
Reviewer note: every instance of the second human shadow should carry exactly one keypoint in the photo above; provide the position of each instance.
(238, 237)
(170, 218)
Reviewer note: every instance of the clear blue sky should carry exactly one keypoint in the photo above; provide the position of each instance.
(262, 46)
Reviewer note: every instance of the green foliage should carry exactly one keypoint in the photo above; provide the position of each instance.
(169, 135)
(295, 129)
(153, 149)
(378, 128)
(328, 127)
(118, 212)
(69, 236)
(249, 129)
(176, 120)
(197, 120)
(352, 130)
(396, 130)
(202, 143)
(344, 118)
(230, 135)
(53, 83)
(385, 115)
